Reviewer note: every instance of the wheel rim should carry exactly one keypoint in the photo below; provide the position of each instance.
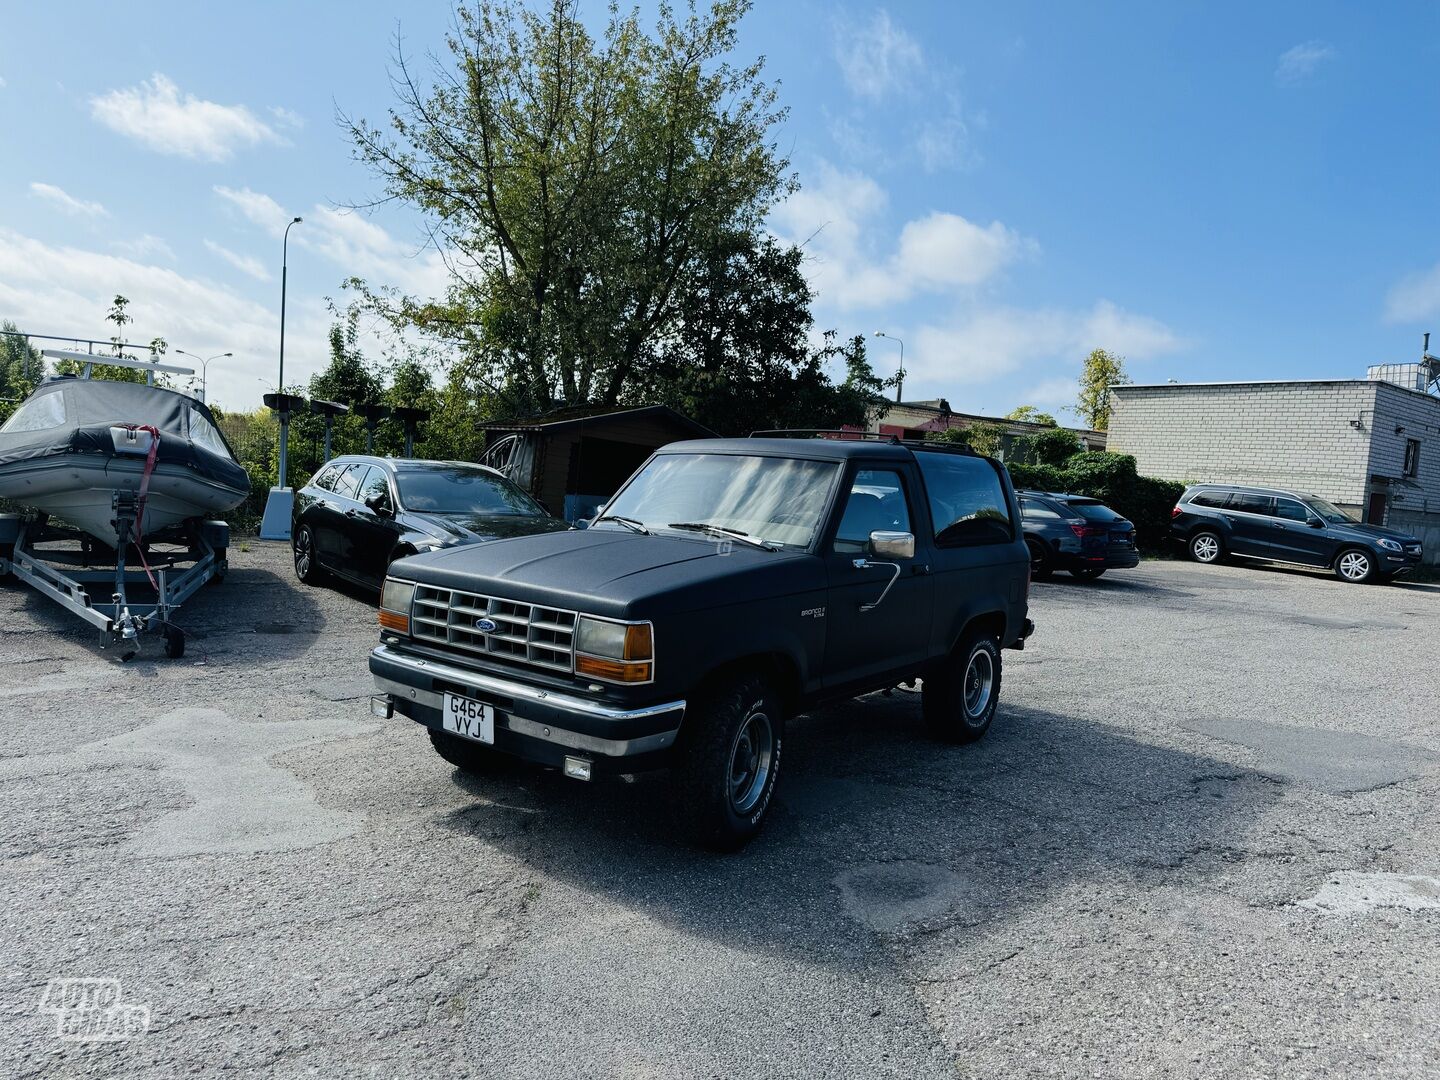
(1206, 548)
(302, 552)
(751, 756)
(979, 684)
(1354, 566)
(1037, 559)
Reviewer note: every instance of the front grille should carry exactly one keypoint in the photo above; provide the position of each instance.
(525, 633)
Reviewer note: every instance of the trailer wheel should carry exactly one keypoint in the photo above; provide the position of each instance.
(222, 567)
(174, 641)
(7, 552)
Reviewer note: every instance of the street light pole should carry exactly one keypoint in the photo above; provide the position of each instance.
(275, 524)
(204, 369)
(284, 274)
(900, 375)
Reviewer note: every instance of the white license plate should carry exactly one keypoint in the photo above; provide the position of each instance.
(469, 719)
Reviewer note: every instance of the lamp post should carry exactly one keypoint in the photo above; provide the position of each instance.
(900, 375)
(204, 367)
(275, 525)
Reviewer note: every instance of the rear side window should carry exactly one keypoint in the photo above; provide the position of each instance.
(1251, 504)
(1093, 511)
(967, 500)
(1213, 499)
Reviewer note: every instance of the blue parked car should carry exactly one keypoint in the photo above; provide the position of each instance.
(1075, 533)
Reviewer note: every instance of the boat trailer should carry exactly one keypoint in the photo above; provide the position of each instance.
(68, 575)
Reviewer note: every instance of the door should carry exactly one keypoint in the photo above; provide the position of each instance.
(328, 515)
(1375, 512)
(862, 646)
(1250, 519)
(1295, 539)
(345, 514)
(373, 531)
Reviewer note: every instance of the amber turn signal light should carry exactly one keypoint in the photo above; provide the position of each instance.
(613, 670)
(393, 620)
(638, 644)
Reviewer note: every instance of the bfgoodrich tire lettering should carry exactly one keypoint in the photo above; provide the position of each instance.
(729, 761)
(960, 697)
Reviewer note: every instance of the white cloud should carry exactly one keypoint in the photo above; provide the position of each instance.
(1414, 297)
(1298, 63)
(246, 264)
(67, 290)
(287, 117)
(66, 202)
(878, 58)
(943, 142)
(157, 115)
(981, 346)
(834, 218)
(353, 243)
(146, 246)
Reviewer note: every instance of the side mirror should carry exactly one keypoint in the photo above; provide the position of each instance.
(379, 503)
(1315, 523)
(892, 545)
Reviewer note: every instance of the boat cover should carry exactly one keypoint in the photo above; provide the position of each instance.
(69, 415)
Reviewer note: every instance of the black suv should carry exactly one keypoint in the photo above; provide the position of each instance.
(1215, 520)
(729, 584)
(358, 514)
(1075, 533)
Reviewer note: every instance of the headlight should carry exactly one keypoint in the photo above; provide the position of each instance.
(395, 599)
(622, 652)
(1390, 545)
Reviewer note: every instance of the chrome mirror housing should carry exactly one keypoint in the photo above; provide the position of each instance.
(892, 545)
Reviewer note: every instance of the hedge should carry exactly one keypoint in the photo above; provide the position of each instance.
(1113, 479)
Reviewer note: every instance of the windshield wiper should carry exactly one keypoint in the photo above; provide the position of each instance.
(629, 523)
(716, 530)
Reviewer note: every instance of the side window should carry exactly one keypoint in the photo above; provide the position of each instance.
(377, 484)
(1251, 504)
(1291, 510)
(1212, 499)
(1412, 457)
(876, 503)
(350, 481)
(37, 414)
(967, 500)
(325, 478)
(1038, 511)
(205, 433)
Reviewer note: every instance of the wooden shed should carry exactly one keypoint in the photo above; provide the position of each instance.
(574, 460)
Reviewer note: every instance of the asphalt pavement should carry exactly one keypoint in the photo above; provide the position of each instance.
(1200, 841)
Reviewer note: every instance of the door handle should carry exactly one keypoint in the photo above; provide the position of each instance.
(1276, 525)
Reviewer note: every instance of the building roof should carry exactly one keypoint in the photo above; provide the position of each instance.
(1122, 387)
(562, 419)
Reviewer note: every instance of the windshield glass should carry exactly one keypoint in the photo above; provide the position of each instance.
(1328, 512)
(455, 489)
(778, 500)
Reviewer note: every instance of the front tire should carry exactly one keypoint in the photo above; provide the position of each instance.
(959, 700)
(1355, 566)
(468, 757)
(729, 762)
(1206, 547)
(1040, 568)
(302, 548)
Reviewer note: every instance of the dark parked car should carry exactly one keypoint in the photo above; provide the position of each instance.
(1215, 520)
(359, 514)
(729, 584)
(1075, 533)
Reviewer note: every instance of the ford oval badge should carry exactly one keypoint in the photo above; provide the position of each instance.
(486, 626)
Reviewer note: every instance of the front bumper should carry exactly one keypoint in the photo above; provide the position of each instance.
(532, 722)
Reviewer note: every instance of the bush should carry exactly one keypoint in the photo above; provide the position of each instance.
(1111, 478)
(1052, 447)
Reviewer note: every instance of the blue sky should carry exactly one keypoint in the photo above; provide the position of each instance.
(1215, 191)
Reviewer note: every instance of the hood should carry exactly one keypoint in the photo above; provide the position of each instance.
(468, 528)
(1360, 529)
(620, 574)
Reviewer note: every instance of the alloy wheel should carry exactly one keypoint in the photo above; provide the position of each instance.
(751, 756)
(303, 553)
(979, 684)
(1205, 548)
(1354, 566)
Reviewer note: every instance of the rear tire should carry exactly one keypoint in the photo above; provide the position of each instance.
(302, 549)
(729, 762)
(1040, 568)
(1355, 566)
(174, 642)
(959, 699)
(1206, 547)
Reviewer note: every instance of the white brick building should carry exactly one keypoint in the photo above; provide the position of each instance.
(1370, 446)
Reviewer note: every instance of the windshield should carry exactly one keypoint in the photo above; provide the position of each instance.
(777, 500)
(455, 489)
(1329, 513)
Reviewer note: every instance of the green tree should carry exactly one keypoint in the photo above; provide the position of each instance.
(982, 436)
(1102, 371)
(1029, 414)
(21, 369)
(594, 197)
(1054, 446)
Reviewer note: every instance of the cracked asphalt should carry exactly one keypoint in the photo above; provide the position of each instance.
(1200, 841)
